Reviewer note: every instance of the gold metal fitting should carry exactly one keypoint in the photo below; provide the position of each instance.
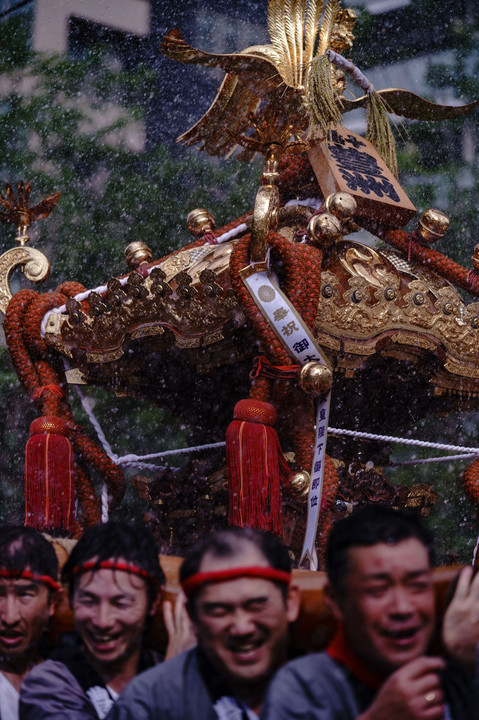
(324, 229)
(433, 225)
(475, 258)
(298, 484)
(342, 205)
(315, 379)
(136, 253)
(200, 221)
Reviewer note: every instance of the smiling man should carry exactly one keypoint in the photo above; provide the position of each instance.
(114, 580)
(28, 593)
(241, 601)
(376, 668)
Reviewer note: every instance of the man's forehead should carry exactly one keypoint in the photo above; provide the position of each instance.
(19, 583)
(110, 580)
(247, 555)
(408, 556)
(237, 591)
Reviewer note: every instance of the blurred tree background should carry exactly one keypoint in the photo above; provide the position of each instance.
(56, 131)
(61, 128)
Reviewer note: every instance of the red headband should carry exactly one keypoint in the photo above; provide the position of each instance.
(114, 565)
(191, 584)
(27, 575)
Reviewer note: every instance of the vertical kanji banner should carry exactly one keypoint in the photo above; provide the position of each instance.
(294, 334)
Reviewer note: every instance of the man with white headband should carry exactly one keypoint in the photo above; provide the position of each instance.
(28, 593)
(114, 580)
(241, 601)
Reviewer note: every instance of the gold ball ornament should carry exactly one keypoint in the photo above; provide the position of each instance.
(315, 379)
(136, 253)
(200, 221)
(433, 225)
(342, 205)
(324, 229)
(298, 484)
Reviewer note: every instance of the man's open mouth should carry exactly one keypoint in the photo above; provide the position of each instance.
(399, 635)
(10, 639)
(104, 642)
(246, 649)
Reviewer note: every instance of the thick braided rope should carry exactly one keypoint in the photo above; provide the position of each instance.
(295, 173)
(32, 361)
(407, 243)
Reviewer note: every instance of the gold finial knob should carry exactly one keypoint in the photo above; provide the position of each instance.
(200, 221)
(475, 258)
(298, 484)
(136, 253)
(324, 229)
(315, 379)
(342, 205)
(433, 225)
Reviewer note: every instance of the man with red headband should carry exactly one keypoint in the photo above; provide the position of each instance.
(114, 579)
(377, 666)
(241, 601)
(28, 593)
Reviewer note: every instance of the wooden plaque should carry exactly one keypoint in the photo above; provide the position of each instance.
(349, 163)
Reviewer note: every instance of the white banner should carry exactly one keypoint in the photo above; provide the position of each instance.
(293, 332)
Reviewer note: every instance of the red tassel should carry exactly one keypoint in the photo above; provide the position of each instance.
(256, 467)
(49, 486)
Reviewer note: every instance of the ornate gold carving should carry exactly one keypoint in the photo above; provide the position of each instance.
(414, 340)
(389, 311)
(213, 338)
(193, 304)
(185, 342)
(104, 357)
(146, 332)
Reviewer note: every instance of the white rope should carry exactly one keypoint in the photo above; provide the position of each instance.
(105, 510)
(230, 234)
(404, 441)
(351, 69)
(133, 459)
(309, 202)
(424, 461)
(99, 430)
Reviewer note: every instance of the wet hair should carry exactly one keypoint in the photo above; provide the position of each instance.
(231, 542)
(117, 541)
(369, 526)
(24, 548)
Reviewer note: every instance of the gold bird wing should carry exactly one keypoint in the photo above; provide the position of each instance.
(251, 79)
(227, 115)
(255, 70)
(412, 106)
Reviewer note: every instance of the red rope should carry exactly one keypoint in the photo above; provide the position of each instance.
(39, 370)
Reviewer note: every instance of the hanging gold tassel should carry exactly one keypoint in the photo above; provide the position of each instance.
(321, 100)
(379, 131)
